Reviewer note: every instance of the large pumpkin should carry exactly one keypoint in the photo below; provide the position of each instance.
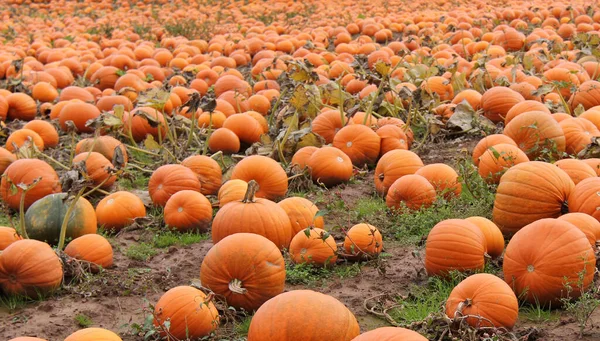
(303, 315)
(497, 101)
(536, 132)
(98, 168)
(92, 248)
(493, 236)
(302, 213)
(188, 210)
(586, 223)
(268, 173)
(528, 192)
(93, 334)
(187, 312)
(393, 165)
(577, 170)
(411, 191)
(497, 159)
(315, 246)
(118, 210)
(253, 215)
(43, 220)
(523, 107)
(454, 244)
(246, 268)
(546, 255)
(390, 334)
(25, 171)
(359, 142)
(329, 166)
(585, 199)
(208, 171)
(486, 299)
(30, 267)
(587, 95)
(578, 134)
(170, 179)
(79, 114)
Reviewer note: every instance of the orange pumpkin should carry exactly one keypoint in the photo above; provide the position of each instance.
(97, 168)
(24, 138)
(92, 334)
(363, 241)
(79, 113)
(392, 137)
(497, 159)
(493, 236)
(443, 178)
(118, 210)
(268, 173)
(578, 134)
(92, 248)
(224, 140)
(488, 141)
(300, 158)
(21, 106)
(105, 145)
(45, 130)
(593, 162)
(170, 179)
(411, 191)
(330, 166)
(586, 223)
(8, 235)
(523, 107)
(6, 158)
(314, 246)
(302, 213)
(136, 123)
(359, 142)
(390, 334)
(393, 165)
(328, 123)
(584, 197)
(188, 210)
(576, 169)
(535, 131)
(497, 101)
(208, 171)
(232, 190)
(26, 171)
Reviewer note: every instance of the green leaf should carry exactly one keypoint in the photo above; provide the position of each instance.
(320, 213)
(494, 152)
(382, 68)
(150, 143)
(307, 232)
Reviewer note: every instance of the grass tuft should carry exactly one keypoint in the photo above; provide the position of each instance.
(141, 252)
(83, 320)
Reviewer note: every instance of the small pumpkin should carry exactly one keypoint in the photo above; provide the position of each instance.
(488, 141)
(105, 145)
(363, 241)
(313, 246)
(8, 235)
(497, 101)
(577, 170)
(188, 210)
(170, 179)
(92, 248)
(24, 138)
(392, 137)
(26, 171)
(93, 334)
(79, 113)
(137, 124)
(390, 334)
(232, 190)
(535, 131)
(330, 166)
(302, 213)
(328, 123)
(300, 158)
(208, 170)
(268, 173)
(45, 130)
(393, 165)
(497, 159)
(443, 178)
(118, 210)
(21, 106)
(411, 191)
(493, 236)
(224, 140)
(359, 142)
(97, 167)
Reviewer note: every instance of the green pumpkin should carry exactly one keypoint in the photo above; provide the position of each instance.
(44, 218)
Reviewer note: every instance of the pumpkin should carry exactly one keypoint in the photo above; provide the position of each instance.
(412, 191)
(246, 128)
(398, 123)
(523, 107)
(594, 163)
(528, 192)
(586, 223)
(328, 123)
(21, 106)
(8, 235)
(45, 130)
(393, 165)
(535, 131)
(137, 124)
(105, 77)
(576, 169)
(443, 178)
(6, 158)
(592, 115)
(584, 197)
(363, 241)
(24, 138)
(587, 95)
(390, 334)
(3, 108)
(75, 92)
(247, 269)
(232, 190)
(313, 246)
(107, 103)
(301, 156)
(440, 86)
(578, 134)
(91, 248)
(330, 166)
(118, 210)
(105, 145)
(97, 167)
(26, 338)
(187, 312)
(44, 92)
(224, 140)
(188, 210)
(43, 219)
(26, 171)
(454, 244)
(302, 213)
(497, 101)
(231, 83)
(79, 113)
(560, 254)
(497, 159)
(314, 316)
(359, 142)
(470, 96)
(486, 299)
(485, 143)
(208, 171)
(30, 267)
(253, 215)
(169, 179)
(493, 236)
(268, 173)
(93, 334)
(392, 137)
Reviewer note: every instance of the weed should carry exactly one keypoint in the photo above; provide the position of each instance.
(306, 274)
(241, 328)
(538, 314)
(83, 320)
(169, 238)
(4, 220)
(142, 251)
(583, 307)
(369, 207)
(13, 302)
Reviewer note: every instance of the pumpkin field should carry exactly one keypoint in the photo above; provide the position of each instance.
(283, 170)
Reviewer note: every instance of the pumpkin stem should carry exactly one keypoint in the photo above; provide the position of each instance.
(25, 189)
(63, 228)
(564, 209)
(250, 192)
(236, 286)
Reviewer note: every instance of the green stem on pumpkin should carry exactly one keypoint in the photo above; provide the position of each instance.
(63, 228)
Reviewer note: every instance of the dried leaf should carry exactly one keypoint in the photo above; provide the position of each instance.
(463, 117)
(150, 143)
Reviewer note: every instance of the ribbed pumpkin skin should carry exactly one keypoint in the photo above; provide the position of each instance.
(392, 137)
(79, 113)
(528, 192)
(21, 106)
(185, 308)
(330, 166)
(46, 131)
(302, 213)
(594, 163)
(577, 170)
(8, 235)
(561, 251)
(363, 240)
(97, 167)
(92, 248)
(497, 159)
(253, 260)
(6, 158)
(412, 190)
(390, 334)
(303, 315)
(138, 125)
(208, 170)
(26, 338)
(26, 171)
(327, 124)
(493, 236)
(268, 173)
(586, 223)
(312, 249)
(454, 244)
(93, 334)
(43, 220)
(118, 210)
(232, 190)
(300, 158)
(170, 179)
(497, 101)
(30, 267)
(535, 130)
(359, 142)
(584, 197)
(104, 145)
(262, 217)
(24, 137)
(393, 165)
(188, 210)
(524, 107)
(588, 95)
(578, 134)
(488, 141)
(443, 178)
(490, 297)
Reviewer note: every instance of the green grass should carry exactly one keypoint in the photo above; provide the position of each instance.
(169, 238)
(538, 314)
(305, 274)
(142, 251)
(13, 302)
(83, 320)
(241, 328)
(4, 221)
(369, 207)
